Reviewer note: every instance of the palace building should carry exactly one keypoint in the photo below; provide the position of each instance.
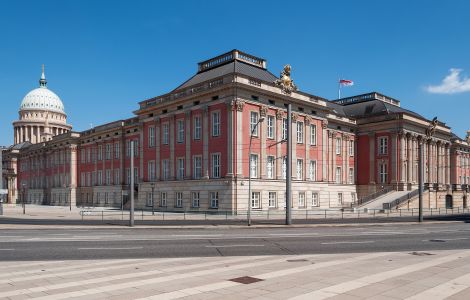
(192, 148)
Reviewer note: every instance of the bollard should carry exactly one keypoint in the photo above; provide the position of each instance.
(342, 214)
(184, 215)
(325, 213)
(163, 215)
(205, 215)
(226, 215)
(102, 216)
(142, 214)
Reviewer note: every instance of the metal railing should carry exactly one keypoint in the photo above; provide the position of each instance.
(400, 200)
(373, 196)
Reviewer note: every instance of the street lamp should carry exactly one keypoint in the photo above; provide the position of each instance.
(23, 185)
(153, 202)
(261, 119)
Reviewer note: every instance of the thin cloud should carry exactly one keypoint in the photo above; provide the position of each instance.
(451, 84)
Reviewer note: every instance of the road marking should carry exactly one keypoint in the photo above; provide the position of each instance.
(110, 248)
(229, 246)
(11, 236)
(444, 290)
(348, 242)
(7, 249)
(454, 239)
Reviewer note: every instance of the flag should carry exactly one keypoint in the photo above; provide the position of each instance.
(346, 82)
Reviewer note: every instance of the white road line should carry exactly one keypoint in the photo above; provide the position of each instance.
(11, 236)
(454, 239)
(348, 242)
(110, 248)
(229, 246)
(444, 290)
(344, 287)
(7, 249)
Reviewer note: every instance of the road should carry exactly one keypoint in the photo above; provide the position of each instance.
(119, 243)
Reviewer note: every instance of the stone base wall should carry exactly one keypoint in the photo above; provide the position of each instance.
(437, 199)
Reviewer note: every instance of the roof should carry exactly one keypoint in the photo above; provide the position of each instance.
(233, 66)
(374, 107)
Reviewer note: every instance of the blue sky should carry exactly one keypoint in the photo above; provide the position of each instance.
(102, 57)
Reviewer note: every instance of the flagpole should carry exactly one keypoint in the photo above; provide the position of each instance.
(339, 88)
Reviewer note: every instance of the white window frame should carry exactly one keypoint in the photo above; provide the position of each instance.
(338, 146)
(151, 170)
(197, 127)
(313, 134)
(254, 165)
(300, 169)
(214, 200)
(338, 175)
(284, 129)
(383, 145)
(301, 200)
(383, 173)
(312, 171)
(163, 199)
(108, 176)
(100, 178)
(215, 164)
(353, 197)
(108, 151)
(300, 132)
(99, 152)
(284, 167)
(165, 133)
(151, 136)
(117, 150)
(254, 117)
(340, 198)
(351, 176)
(180, 129)
(255, 200)
(197, 167)
(179, 199)
(165, 169)
(272, 199)
(270, 167)
(117, 175)
(315, 199)
(195, 199)
(180, 168)
(270, 121)
(215, 123)
(351, 147)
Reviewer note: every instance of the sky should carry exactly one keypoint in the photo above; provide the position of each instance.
(103, 57)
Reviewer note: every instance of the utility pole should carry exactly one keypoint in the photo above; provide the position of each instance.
(420, 178)
(131, 189)
(289, 166)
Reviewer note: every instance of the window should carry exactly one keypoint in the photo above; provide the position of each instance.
(108, 151)
(214, 199)
(165, 134)
(383, 173)
(255, 200)
(383, 145)
(270, 127)
(151, 138)
(128, 148)
(353, 197)
(197, 128)
(312, 170)
(340, 198)
(351, 148)
(300, 132)
(100, 152)
(339, 178)
(254, 166)
(82, 156)
(165, 169)
(136, 175)
(149, 199)
(179, 199)
(100, 177)
(338, 146)
(284, 167)
(216, 165)
(315, 202)
(254, 123)
(195, 199)
(351, 176)
(117, 176)
(163, 198)
(197, 165)
(136, 148)
(284, 129)
(82, 179)
(88, 179)
(270, 167)
(300, 169)
(151, 170)
(108, 177)
(117, 150)
(272, 199)
(215, 123)
(302, 200)
(180, 128)
(180, 168)
(313, 134)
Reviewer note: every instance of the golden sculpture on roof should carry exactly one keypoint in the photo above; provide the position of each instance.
(285, 82)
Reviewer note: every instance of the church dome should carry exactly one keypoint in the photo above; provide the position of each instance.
(42, 99)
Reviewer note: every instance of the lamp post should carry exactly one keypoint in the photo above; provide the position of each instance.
(23, 185)
(261, 119)
(70, 198)
(153, 202)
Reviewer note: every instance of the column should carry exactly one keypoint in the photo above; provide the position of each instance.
(157, 149)
(393, 153)
(414, 150)
(447, 164)
(325, 151)
(409, 176)
(141, 153)
(172, 147)
(205, 142)
(307, 148)
(346, 159)
(439, 162)
(240, 138)
(372, 175)
(262, 135)
(402, 156)
(39, 134)
(279, 154)
(72, 175)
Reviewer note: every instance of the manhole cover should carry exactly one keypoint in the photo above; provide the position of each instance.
(437, 241)
(421, 253)
(296, 260)
(245, 279)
